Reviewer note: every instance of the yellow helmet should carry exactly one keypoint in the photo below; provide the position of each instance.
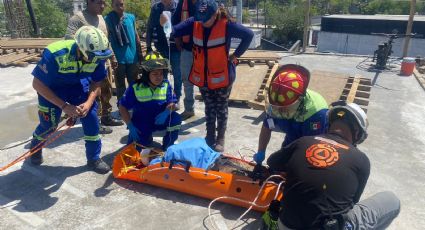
(92, 43)
(153, 61)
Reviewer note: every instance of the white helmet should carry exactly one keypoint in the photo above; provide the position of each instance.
(353, 115)
(93, 43)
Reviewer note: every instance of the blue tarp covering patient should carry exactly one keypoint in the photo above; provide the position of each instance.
(194, 150)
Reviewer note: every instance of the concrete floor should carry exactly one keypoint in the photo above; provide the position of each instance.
(61, 194)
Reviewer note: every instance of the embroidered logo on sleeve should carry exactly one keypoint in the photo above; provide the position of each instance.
(43, 68)
(315, 125)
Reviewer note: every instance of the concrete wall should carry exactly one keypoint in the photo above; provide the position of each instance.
(256, 40)
(365, 44)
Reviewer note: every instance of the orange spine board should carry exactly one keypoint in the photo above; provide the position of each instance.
(197, 182)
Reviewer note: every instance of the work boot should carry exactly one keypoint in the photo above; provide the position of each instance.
(219, 143)
(109, 121)
(210, 137)
(187, 114)
(104, 130)
(99, 166)
(37, 158)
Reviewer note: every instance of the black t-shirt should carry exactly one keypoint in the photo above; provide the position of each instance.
(325, 175)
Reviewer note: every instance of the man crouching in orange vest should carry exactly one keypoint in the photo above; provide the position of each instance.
(213, 70)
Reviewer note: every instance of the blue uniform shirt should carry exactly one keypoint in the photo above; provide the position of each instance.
(311, 122)
(126, 53)
(146, 109)
(59, 71)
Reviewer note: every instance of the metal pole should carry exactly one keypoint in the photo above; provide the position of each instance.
(265, 22)
(306, 24)
(32, 16)
(256, 6)
(409, 27)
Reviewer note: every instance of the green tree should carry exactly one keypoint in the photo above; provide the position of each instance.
(50, 18)
(66, 6)
(3, 29)
(288, 20)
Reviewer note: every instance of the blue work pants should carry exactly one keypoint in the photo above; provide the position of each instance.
(147, 126)
(186, 60)
(49, 116)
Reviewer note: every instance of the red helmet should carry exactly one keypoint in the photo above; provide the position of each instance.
(288, 84)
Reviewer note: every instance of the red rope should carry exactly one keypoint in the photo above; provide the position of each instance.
(69, 123)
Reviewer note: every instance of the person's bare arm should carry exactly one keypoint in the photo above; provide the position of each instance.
(125, 115)
(74, 24)
(47, 93)
(264, 138)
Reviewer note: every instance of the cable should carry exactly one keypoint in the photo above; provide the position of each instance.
(251, 203)
(16, 145)
(69, 123)
(245, 148)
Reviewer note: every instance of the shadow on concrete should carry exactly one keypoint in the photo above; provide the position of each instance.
(242, 224)
(190, 124)
(30, 187)
(226, 210)
(239, 105)
(71, 135)
(256, 120)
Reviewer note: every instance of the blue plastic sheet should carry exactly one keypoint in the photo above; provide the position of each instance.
(194, 150)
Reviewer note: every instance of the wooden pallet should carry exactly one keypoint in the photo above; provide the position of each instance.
(250, 83)
(357, 90)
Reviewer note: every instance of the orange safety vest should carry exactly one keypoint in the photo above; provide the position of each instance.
(210, 64)
(183, 17)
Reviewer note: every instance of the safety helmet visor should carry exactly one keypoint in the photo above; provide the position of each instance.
(96, 56)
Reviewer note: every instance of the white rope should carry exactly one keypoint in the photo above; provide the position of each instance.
(252, 204)
(245, 148)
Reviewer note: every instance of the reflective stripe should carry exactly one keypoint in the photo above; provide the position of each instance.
(66, 63)
(197, 41)
(173, 128)
(144, 93)
(43, 109)
(217, 80)
(59, 45)
(216, 42)
(92, 138)
(40, 138)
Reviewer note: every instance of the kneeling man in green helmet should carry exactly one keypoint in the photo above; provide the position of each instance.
(67, 80)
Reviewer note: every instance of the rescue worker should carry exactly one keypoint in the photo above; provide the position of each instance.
(326, 176)
(68, 79)
(291, 108)
(213, 69)
(153, 103)
(185, 9)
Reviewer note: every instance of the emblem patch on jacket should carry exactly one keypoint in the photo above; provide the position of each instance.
(315, 125)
